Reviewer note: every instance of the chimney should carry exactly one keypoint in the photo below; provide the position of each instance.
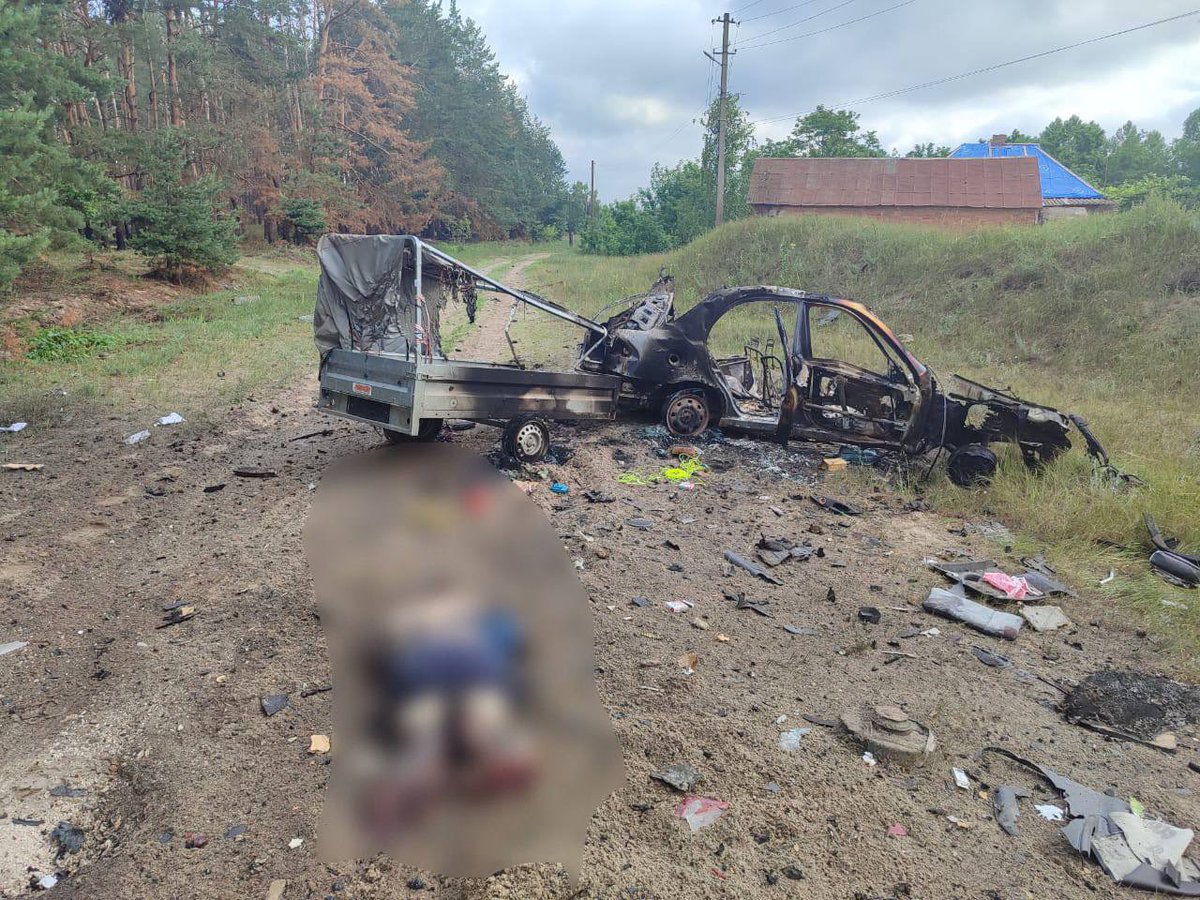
(999, 140)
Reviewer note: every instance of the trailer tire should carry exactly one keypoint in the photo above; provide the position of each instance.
(971, 465)
(526, 439)
(427, 431)
(686, 413)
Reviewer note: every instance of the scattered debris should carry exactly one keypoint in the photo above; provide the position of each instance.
(790, 740)
(137, 437)
(742, 563)
(177, 614)
(805, 632)
(295, 843)
(278, 885)
(680, 776)
(869, 758)
(23, 467)
(1178, 568)
(45, 882)
(961, 779)
(836, 464)
(318, 743)
(860, 456)
(688, 662)
(639, 601)
(14, 427)
(12, 647)
(678, 606)
(1045, 618)
(173, 418)
(213, 488)
(957, 607)
(995, 660)
(233, 832)
(1132, 850)
(870, 614)
(274, 703)
(1004, 803)
(1013, 587)
(897, 831)
(1049, 812)
(890, 734)
(598, 497)
(700, 812)
(740, 601)
(643, 524)
(67, 838)
(195, 840)
(837, 507)
(65, 790)
(558, 487)
(255, 473)
(1112, 574)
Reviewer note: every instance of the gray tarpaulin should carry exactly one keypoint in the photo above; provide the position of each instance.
(366, 298)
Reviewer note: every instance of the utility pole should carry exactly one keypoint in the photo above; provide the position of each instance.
(725, 20)
(592, 193)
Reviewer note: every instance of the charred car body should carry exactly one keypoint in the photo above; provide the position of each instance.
(830, 370)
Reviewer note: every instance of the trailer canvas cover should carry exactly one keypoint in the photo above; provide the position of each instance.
(366, 297)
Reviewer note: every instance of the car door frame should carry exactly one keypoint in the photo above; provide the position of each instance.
(915, 374)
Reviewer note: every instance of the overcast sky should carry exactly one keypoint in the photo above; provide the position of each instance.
(621, 81)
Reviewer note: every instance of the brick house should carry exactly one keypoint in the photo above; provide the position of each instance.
(1064, 194)
(952, 193)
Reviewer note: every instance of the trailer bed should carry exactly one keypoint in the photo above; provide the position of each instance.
(397, 394)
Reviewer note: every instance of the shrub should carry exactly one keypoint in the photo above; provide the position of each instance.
(57, 344)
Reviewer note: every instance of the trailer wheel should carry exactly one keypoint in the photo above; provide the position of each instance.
(526, 439)
(427, 431)
(686, 413)
(971, 465)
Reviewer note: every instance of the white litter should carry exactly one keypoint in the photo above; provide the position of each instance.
(1111, 575)
(14, 428)
(961, 779)
(790, 740)
(781, 720)
(295, 843)
(172, 419)
(869, 758)
(677, 606)
(12, 646)
(930, 632)
(1049, 812)
(137, 437)
(47, 881)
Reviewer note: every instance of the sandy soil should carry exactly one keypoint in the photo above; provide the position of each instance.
(161, 727)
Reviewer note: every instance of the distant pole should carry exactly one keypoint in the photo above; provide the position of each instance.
(592, 193)
(725, 20)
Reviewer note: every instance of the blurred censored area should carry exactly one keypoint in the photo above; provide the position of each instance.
(468, 733)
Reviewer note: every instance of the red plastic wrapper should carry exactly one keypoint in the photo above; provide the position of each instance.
(468, 733)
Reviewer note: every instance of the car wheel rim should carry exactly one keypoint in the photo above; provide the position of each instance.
(530, 441)
(687, 416)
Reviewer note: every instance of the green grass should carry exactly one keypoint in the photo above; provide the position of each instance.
(1085, 315)
(204, 352)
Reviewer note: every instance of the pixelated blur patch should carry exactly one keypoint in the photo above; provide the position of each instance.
(470, 736)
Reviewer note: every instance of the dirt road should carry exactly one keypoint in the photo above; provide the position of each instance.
(158, 731)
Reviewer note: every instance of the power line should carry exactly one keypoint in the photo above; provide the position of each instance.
(747, 6)
(829, 28)
(779, 12)
(992, 68)
(755, 37)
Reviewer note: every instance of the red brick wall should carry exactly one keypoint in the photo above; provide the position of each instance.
(940, 216)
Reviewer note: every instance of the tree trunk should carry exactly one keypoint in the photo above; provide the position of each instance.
(172, 21)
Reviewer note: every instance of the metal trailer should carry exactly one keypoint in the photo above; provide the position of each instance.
(410, 395)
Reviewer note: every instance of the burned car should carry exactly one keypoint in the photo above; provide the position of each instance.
(815, 367)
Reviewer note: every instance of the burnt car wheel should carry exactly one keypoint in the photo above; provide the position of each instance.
(686, 413)
(1037, 458)
(427, 431)
(971, 465)
(526, 439)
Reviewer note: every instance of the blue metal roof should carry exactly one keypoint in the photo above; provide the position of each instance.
(1058, 182)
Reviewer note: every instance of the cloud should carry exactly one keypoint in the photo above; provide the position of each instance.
(623, 81)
